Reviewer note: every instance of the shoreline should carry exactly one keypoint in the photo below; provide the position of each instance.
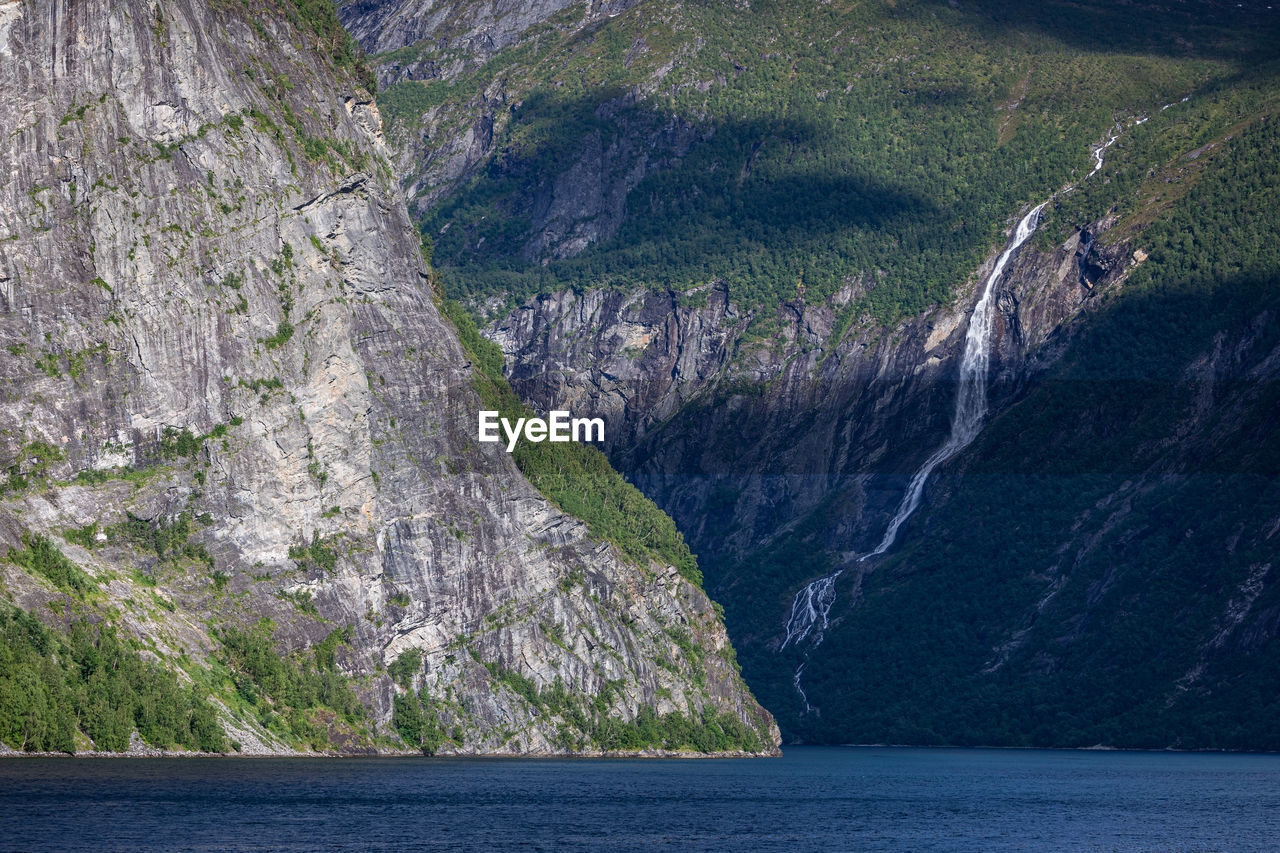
(7, 752)
(1094, 748)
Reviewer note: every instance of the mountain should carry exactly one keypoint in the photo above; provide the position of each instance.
(242, 505)
(752, 237)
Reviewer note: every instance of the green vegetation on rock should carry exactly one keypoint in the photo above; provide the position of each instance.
(318, 21)
(415, 720)
(31, 465)
(169, 540)
(319, 553)
(41, 556)
(89, 680)
(588, 724)
(793, 149)
(575, 477)
(294, 696)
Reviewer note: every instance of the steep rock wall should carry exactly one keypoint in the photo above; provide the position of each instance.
(740, 433)
(212, 296)
(475, 31)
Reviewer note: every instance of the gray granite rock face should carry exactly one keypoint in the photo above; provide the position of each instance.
(738, 437)
(475, 30)
(200, 233)
(569, 206)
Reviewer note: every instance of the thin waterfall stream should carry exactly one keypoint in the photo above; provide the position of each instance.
(812, 604)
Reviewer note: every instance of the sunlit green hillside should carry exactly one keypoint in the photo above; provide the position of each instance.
(791, 147)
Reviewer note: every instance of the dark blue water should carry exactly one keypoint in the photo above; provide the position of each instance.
(812, 799)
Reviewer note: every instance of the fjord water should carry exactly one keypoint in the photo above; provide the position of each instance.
(814, 798)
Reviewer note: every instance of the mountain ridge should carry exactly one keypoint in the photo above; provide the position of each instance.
(238, 435)
(670, 218)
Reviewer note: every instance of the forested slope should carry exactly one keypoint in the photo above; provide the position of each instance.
(1099, 567)
(787, 148)
(751, 236)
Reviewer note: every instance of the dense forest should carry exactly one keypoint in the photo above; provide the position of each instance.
(874, 155)
(822, 146)
(91, 683)
(1076, 556)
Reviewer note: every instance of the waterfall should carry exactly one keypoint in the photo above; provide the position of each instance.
(1101, 150)
(971, 392)
(812, 604)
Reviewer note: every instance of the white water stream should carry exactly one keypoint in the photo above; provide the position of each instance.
(812, 604)
(1101, 150)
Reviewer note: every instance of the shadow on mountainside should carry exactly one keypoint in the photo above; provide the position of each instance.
(1064, 581)
(1243, 33)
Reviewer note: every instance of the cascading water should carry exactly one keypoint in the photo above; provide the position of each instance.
(971, 394)
(1101, 150)
(812, 605)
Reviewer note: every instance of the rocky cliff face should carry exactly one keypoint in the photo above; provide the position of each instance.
(743, 422)
(1089, 571)
(471, 32)
(215, 317)
(438, 147)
